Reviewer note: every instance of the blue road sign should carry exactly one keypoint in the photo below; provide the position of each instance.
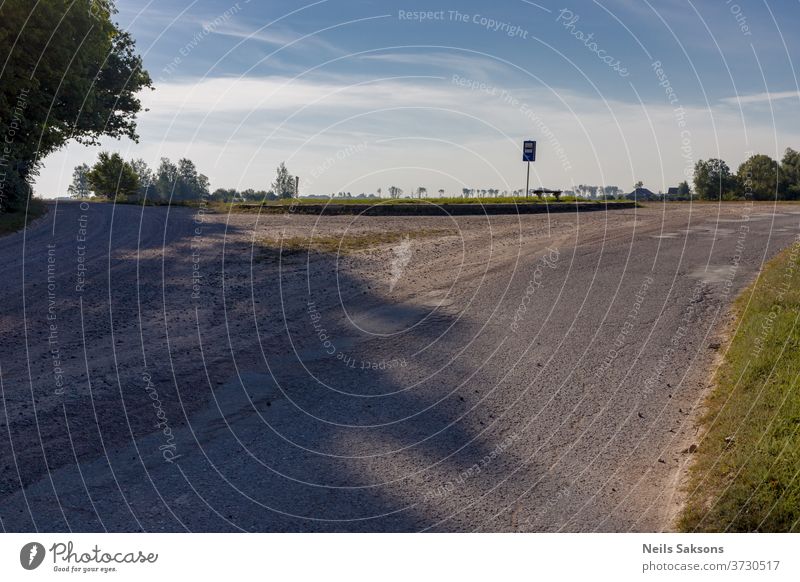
(529, 151)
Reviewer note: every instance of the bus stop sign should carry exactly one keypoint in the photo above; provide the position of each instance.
(529, 151)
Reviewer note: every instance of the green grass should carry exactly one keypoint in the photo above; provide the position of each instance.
(446, 200)
(746, 476)
(281, 205)
(344, 244)
(372, 201)
(13, 221)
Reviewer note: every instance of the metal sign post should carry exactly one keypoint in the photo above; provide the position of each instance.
(528, 155)
(528, 181)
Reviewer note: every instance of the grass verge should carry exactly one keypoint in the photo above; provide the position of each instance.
(344, 244)
(746, 475)
(11, 222)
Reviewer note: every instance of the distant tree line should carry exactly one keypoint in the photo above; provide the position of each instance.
(114, 178)
(759, 178)
(343, 195)
(588, 191)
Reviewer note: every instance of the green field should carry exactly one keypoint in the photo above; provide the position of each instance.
(746, 476)
(449, 200)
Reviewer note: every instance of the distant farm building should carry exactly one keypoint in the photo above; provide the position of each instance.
(642, 194)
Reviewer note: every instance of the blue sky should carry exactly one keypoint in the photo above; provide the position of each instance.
(358, 95)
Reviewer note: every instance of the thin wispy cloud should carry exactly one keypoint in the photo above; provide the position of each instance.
(273, 93)
(448, 62)
(762, 97)
(278, 37)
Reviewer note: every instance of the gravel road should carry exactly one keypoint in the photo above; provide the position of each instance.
(169, 370)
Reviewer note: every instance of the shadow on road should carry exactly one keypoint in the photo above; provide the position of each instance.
(288, 397)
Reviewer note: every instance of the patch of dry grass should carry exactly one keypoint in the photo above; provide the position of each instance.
(342, 244)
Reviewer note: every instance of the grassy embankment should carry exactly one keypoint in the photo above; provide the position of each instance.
(746, 476)
(14, 221)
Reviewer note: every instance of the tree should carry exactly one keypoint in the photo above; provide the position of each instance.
(69, 73)
(190, 184)
(166, 179)
(421, 191)
(610, 192)
(80, 182)
(112, 176)
(395, 192)
(713, 179)
(790, 173)
(379, 192)
(441, 192)
(145, 175)
(143, 171)
(638, 185)
(683, 189)
(759, 176)
(283, 185)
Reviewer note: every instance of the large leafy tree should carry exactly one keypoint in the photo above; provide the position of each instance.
(192, 185)
(180, 182)
(790, 173)
(759, 176)
(713, 179)
(112, 176)
(66, 72)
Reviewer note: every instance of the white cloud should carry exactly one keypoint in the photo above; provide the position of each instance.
(243, 94)
(475, 64)
(761, 97)
(278, 37)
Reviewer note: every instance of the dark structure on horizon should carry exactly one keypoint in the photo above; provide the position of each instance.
(642, 194)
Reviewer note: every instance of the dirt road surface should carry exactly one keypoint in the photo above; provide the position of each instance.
(169, 370)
